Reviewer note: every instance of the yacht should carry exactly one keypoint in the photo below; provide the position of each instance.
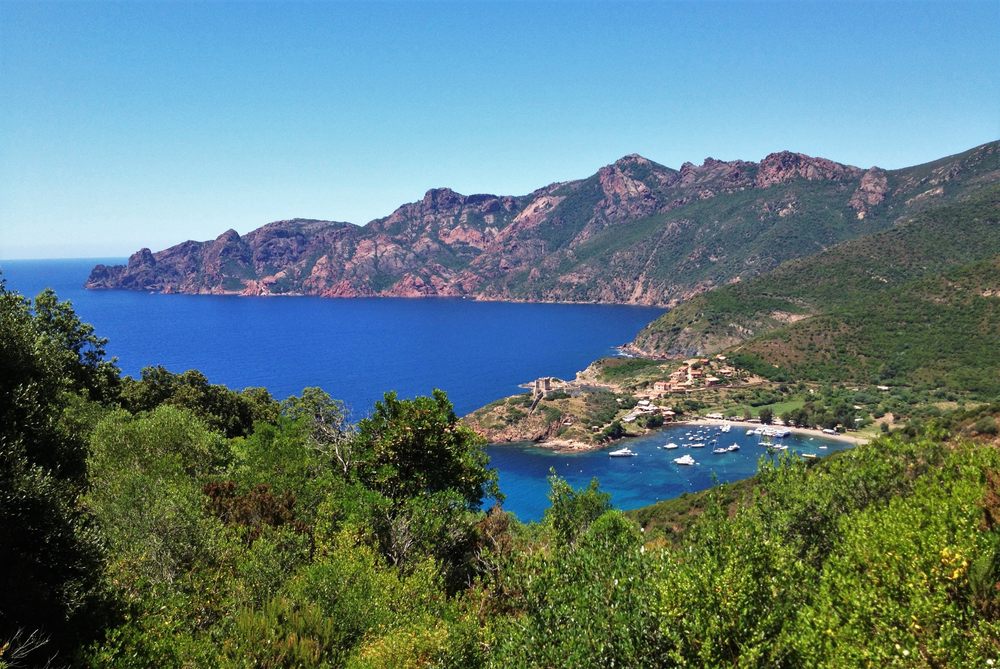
(671, 446)
(685, 460)
(622, 453)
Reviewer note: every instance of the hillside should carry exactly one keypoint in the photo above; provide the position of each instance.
(634, 232)
(916, 304)
(165, 522)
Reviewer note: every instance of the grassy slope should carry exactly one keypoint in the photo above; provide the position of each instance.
(908, 297)
(937, 331)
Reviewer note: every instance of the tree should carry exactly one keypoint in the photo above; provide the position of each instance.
(327, 419)
(766, 416)
(571, 512)
(415, 447)
(51, 371)
(226, 411)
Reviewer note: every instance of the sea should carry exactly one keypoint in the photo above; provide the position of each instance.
(358, 349)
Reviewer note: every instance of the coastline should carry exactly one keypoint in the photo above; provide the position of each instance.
(569, 446)
(807, 431)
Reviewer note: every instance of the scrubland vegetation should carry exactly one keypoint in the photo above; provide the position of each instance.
(168, 522)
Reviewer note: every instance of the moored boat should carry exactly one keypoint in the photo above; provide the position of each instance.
(685, 460)
(622, 453)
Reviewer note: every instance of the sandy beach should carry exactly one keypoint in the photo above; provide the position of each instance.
(569, 446)
(809, 432)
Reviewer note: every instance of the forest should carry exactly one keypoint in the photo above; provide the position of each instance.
(168, 522)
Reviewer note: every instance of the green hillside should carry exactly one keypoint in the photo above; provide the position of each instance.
(164, 522)
(914, 304)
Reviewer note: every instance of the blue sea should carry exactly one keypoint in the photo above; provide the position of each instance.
(357, 349)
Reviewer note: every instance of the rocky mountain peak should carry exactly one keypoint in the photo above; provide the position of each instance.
(441, 198)
(632, 159)
(783, 166)
(141, 258)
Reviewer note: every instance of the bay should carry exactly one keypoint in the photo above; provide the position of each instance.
(648, 477)
(357, 349)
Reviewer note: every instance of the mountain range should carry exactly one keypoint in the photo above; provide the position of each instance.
(635, 232)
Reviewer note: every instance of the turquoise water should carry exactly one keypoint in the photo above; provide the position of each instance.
(644, 479)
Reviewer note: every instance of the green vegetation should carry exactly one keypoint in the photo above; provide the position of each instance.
(619, 369)
(148, 524)
(916, 305)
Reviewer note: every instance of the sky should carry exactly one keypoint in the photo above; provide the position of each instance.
(144, 124)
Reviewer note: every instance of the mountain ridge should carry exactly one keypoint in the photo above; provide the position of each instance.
(633, 232)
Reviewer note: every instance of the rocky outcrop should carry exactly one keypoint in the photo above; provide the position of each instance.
(782, 167)
(634, 232)
(870, 192)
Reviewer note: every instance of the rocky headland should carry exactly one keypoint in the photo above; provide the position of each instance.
(635, 232)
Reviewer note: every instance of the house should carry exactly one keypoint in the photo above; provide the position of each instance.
(661, 385)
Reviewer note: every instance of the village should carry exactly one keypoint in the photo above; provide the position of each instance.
(621, 397)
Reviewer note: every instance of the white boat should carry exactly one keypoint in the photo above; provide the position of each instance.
(720, 451)
(726, 427)
(671, 446)
(697, 444)
(822, 448)
(779, 447)
(685, 460)
(810, 456)
(733, 447)
(622, 453)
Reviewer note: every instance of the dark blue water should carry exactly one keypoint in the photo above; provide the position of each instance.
(644, 479)
(357, 349)
(354, 349)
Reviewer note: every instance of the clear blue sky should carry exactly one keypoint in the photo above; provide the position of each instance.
(144, 124)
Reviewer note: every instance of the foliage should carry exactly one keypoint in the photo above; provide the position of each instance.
(232, 413)
(912, 305)
(307, 542)
(52, 377)
(418, 446)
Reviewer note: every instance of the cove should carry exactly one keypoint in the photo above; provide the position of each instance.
(648, 477)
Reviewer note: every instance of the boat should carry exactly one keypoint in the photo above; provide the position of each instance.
(822, 448)
(697, 444)
(622, 453)
(671, 446)
(809, 456)
(733, 447)
(720, 450)
(685, 460)
(726, 427)
(749, 432)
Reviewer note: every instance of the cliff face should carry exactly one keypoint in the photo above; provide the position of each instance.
(634, 232)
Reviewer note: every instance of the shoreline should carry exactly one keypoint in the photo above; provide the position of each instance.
(569, 446)
(806, 431)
